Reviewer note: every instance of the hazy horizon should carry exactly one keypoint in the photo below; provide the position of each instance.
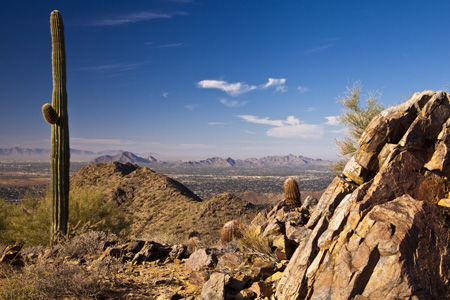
(198, 79)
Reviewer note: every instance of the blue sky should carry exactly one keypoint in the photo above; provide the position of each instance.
(195, 79)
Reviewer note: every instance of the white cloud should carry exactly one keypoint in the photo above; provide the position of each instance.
(303, 89)
(165, 95)
(232, 103)
(232, 89)
(332, 120)
(239, 88)
(278, 83)
(289, 128)
(307, 131)
(310, 109)
(217, 123)
(256, 120)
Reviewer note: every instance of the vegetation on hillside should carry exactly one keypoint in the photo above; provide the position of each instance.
(30, 221)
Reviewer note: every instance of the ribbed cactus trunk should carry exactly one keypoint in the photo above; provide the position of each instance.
(60, 155)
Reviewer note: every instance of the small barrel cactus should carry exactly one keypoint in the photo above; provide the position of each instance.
(292, 193)
(230, 231)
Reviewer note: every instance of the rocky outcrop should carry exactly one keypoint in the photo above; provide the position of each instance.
(377, 231)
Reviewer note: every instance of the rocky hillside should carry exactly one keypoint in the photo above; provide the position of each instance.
(378, 231)
(121, 157)
(161, 208)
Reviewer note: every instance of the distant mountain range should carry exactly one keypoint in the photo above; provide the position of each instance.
(268, 161)
(20, 151)
(124, 156)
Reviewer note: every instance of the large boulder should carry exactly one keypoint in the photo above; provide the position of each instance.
(377, 231)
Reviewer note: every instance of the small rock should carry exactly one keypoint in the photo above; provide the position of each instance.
(262, 270)
(199, 277)
(262, 289)
(135, 246)
(230, 261)
(201, 258)
(214, 288)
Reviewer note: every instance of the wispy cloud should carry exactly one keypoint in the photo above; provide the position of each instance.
(325, 44)
(332, 120)
(83, 141)
(319, 49)
(232, 89)
(165, 95)
(191, 107)
(289, 128)
(233, 103)
(115, 67)
(134, 18)
(168, 46)
(217, 123)
(278, 83)
(310, 109)
(303, 89)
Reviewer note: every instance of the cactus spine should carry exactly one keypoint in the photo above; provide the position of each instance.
(292, 193)
(230, 231)
(56, 114)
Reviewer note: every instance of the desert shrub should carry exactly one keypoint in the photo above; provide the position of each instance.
(87, 244)
(30, 219)
(355, 117)
(254, 243)
(90, 206)
(49, 280)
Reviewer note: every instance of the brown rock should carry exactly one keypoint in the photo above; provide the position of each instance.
(200, 259)
(11, 255)
(199, 277)
(214, 288)
(230, 261)
(261, 289)
(383, 236)
(261, 269)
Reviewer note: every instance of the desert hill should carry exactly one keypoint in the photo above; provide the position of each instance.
(121, 157)
(160, 207)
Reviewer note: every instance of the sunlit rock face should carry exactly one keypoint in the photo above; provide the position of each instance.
(378, 231)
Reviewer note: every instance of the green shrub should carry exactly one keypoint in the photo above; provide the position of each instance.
(30, 220)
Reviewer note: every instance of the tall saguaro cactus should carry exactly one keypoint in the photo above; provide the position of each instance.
(56, 115)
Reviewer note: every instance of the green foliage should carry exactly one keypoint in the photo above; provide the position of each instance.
(356, 118)
(90, 206)
(27, 221)
(30, 222)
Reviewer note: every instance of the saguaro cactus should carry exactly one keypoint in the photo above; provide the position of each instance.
(292, 193)
(56, 114)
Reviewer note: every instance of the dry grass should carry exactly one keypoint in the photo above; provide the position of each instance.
(59, 276)
(45, 280)
(254, 243)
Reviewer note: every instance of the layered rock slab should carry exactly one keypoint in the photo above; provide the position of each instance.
(377, 232)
